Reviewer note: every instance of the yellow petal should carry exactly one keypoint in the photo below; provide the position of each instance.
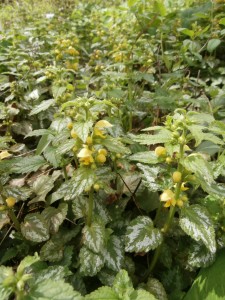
(184, 188)
(166, 195)
(167, 204)
(99, 133)
(103, 124)
(4, 154)
(84, 152)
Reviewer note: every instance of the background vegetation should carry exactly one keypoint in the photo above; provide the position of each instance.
(112, 150)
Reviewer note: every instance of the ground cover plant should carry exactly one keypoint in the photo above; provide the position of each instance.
(112, 159)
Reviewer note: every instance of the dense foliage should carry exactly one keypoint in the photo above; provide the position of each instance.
(112, 159)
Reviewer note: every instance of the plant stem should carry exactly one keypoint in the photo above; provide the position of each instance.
(172, 211)
(90, 207)
(65, 173)
(14, 219)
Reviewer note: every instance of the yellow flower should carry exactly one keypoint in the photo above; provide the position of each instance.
(100, 126)
(84, 152)
(4, 154)
(168, 197)
(85, 156)
(103, 124)
(183, 187)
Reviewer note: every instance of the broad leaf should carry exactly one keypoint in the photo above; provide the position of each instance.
(28, 164)
(83, 178)
(35, 228)
(6, 274)
(213, 44)
(195, 221)
(93, 236)
(196, 164)
(141, 236)
(199, 135)
(150, 176)
(114, 145)
(90, 262)
(200, 256)
(123, 284)
(52, 251)
(141, 295)
(83, 129)
(27, 262)
(55, 216)
(114, 253)
(161, 136)
(103, 293)
(42, 106)
(147, 157)
(50, 289)
(209, 285)
(155, 287)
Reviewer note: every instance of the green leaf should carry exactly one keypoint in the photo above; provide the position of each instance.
(141, 295)
(52, 155)
(213, 44)
(80, 207)
(50, 289)
(42, 106)
(149, 177)
(90, 262)
(114, 253)
(55, 216)
(161, 136)
(93, 236)
(52, 251)
(27, 262)
(83, 178)
(141, 236)
(209, 285)
(200, 118)
(147, 157)
(195, 221)
(28, 164)
(187, 31)
(41, 187)
(199, 135)
(35, 228)
(122, 284)
(155, 287)
(103, 293)
(4, 219)
(222, 21)
(57, 91)
(199, 256)
(53, 272)
(196, 164)
(43, 143)
(6, 278)
(82, 129)
(114, 145)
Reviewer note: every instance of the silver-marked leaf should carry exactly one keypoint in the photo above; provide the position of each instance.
(149, 177)
(90, 262)
(55, 216)
(52, 251)
(155, 287)
(195, 221)
(42, 106)
(147, 157)
(114, 145)
(93, 236)
(83, 178)
(199, 135)
(28, 164)
(141, 236)
(5, 291)
(161, 136)
(82, 129)
(123, 285)
(50, 289)
(114, 253)
(35, 228)
(196, 164)
(199, 256)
